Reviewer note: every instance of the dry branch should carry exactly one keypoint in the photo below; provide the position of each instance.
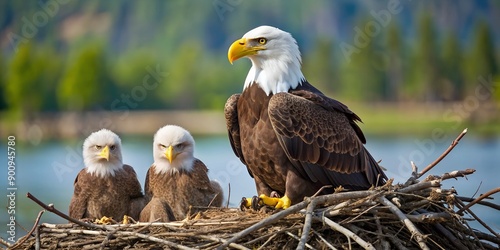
(444, 154)
(345, 232)
(482, 197)
(413, 229)
(307, 224)
(23, 239)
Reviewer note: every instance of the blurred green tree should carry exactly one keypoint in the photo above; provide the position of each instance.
(85, 83)
(427, 65)
(452, 76)
(482, 61)
(185, 68)
(3, 82)
(319, 66)
(132, 71)
(31, 80)
(364, 77)
(394, 71)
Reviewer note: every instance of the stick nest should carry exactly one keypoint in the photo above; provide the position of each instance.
(418, 214)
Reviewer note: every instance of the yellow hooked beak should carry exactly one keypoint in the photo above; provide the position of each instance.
(170, 154)
(240, 48)
(105, 153)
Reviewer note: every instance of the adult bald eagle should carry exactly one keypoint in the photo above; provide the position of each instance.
(292, 138)
(177, 180)
(105, 187)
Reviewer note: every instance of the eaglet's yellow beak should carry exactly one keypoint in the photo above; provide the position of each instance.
(241, 48)
(170, 154)
(105, 153)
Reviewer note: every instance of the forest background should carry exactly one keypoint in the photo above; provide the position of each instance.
(403, 66)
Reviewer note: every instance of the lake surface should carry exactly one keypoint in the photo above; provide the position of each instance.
(48, 169)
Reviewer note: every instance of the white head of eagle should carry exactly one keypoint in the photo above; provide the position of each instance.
(275, 59)
(102, 153)
(173, 150)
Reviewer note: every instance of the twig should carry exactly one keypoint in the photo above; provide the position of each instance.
(477, 218)
(52, 209)
(321, 190)
(460, 204)
(488, 237)
(215, 196)
(335, 209)
(20, 242)
(456, 242)
(429, 217)
(477, 189)
(337, 227)
(484, 203)
(457, 173)
(328, 244)
(307, 225)
(87, 244)
(37, 238)
(297, 238)
(271, 235)
(437, 244)
(481, 197)
(411, 227)
(219, 240)
(330, 198)
(4, 242)
(107, 238)
(441, 157)
(267, 241)
(414, 174)
(228, 195)
(419, 186)
(365, 211)
(380, 234)
(397, 242)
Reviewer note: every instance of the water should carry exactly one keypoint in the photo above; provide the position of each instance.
(47, 170)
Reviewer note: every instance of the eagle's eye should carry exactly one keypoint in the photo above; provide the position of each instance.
(163, 147)
(179, 146)
(262, 41)
(98, 147)
(112, 147)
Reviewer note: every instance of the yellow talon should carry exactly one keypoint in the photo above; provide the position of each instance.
(269, 201)
(104, 220)
(283, 202)
(125, 220)
(247, 202)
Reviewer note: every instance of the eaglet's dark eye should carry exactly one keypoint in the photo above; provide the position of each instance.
(262, 41)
